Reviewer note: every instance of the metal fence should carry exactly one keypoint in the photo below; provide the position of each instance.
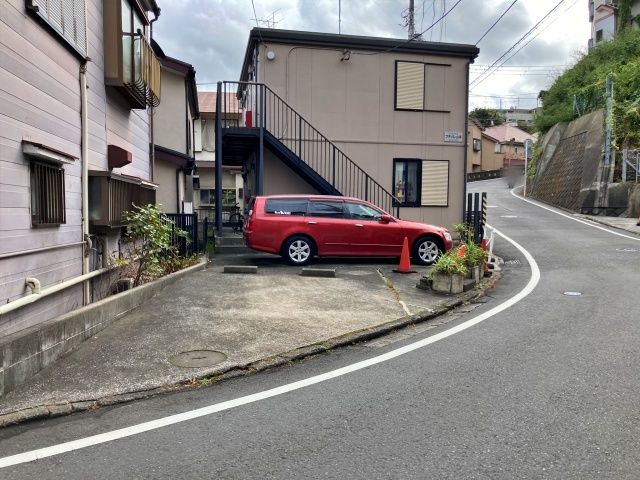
(630, 171)
(197, 233)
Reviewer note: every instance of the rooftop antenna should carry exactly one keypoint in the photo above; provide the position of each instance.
(269, 22)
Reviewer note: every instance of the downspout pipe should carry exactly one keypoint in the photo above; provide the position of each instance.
(152, 153)
(84, 153)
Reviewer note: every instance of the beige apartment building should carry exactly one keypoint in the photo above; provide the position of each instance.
(173, 134)
(380, 119)
(78, 81)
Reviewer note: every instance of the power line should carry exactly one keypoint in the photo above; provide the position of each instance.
(528, 42)
(517, 43)
(412, 39)
(496, 22)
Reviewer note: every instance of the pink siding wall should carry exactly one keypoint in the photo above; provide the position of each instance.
(40, 101)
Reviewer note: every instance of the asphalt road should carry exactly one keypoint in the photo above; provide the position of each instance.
(548, 388)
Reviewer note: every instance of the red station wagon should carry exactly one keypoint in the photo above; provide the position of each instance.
(299, 227)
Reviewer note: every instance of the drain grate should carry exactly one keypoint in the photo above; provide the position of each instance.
(197, 358)
(572, 294)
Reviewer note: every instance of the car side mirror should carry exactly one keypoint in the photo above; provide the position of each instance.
(385, 218)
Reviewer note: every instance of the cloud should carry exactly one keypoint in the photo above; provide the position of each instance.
(212, 34)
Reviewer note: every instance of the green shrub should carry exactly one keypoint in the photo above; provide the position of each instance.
(473, 255)
(450, 263)
(149, 237)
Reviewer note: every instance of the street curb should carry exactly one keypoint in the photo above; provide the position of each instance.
(56, 410)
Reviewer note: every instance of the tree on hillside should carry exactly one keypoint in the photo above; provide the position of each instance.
(487, 116)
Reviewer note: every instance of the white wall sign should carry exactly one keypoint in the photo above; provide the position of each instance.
(455, 137)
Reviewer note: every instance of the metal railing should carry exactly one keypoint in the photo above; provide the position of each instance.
(265, 109)
(630, 167)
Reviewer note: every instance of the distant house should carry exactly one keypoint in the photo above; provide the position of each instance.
(205, 148)
(380, 119)
(78, 87)
(518, 117)
(474, 146)
(508, 144)
(173, 135)
(604, 19)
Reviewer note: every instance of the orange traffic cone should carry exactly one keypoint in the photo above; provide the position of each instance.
(405, 264)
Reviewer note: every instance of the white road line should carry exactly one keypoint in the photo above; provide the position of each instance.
(553, 210)
(70, 446)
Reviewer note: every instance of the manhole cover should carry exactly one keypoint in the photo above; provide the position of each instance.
(572, 294)
(197, 358)
(358, 273)
(512, 262)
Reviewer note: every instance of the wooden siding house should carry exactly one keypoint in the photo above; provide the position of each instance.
(173, 134)
(381, 119)
(78, 81)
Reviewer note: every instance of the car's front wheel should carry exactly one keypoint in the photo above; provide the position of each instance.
(298, 250)
(426, 250)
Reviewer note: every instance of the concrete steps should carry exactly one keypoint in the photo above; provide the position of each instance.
(230, 243)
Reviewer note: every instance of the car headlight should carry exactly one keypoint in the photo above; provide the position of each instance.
(447, 236)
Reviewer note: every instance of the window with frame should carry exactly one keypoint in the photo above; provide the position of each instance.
(435, 183)
(47, 194)
(419, 86)
(497, 148)
(477, 144)
(66, 17)
(207, 196)
(407, 174)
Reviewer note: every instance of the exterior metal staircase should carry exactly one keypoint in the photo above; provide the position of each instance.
(297, 143)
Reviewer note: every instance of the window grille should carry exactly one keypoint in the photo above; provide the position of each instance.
(47, 194)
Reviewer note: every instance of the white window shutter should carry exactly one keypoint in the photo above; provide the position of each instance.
(409, 85)
(435, 183)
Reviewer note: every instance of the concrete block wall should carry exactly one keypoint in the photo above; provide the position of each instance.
(25, 353)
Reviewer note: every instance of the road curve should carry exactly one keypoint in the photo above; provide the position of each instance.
(544, 389)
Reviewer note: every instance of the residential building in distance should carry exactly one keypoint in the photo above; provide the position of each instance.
(474, 145)
(205, 147)
(173, 134)
(384, 120)
(79, 82)
(508, 144)
(604, 18)
(518, 117)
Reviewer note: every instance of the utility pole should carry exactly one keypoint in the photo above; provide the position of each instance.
(339, 17)
(411, 21)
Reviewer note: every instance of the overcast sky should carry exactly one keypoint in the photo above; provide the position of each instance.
(212, 35)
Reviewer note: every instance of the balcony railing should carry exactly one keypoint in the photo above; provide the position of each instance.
(143, 80)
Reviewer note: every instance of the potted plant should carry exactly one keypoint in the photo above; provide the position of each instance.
(472, 254)
(474, 260)
(448, 273)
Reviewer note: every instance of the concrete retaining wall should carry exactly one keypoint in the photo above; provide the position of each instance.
(25, 353)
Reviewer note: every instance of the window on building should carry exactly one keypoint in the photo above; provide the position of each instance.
(47, 194)
(66, 18)
(419, 86)
(598, 35)
(477, 144)
(407, 175)
(435, 183)
(497, 148)
(207, 196)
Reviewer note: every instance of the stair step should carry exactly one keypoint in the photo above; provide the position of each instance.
(226, 249)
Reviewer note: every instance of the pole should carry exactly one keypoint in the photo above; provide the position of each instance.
(527, 152)
(411, 21)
